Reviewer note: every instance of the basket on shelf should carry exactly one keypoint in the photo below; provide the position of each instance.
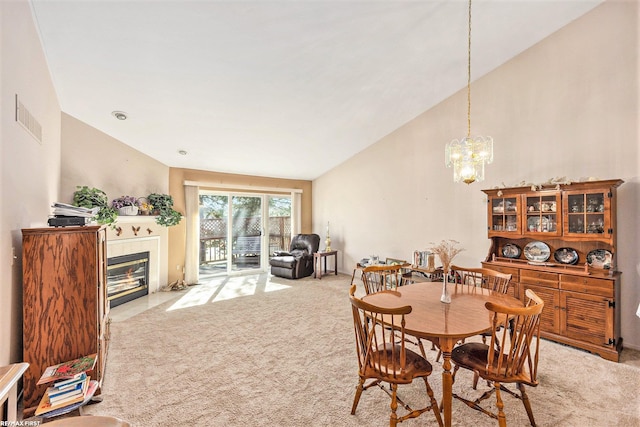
(128, 210)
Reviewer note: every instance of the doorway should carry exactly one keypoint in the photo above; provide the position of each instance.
(239, 232)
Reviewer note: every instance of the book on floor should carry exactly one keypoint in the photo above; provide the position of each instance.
(64, 385)
(70, 397)
(64, 409)
(69, 369)
(60, 395)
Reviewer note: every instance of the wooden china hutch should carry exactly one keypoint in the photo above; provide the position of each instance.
(560, 241)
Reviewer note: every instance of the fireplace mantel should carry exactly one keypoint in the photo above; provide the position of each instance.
(140, 233)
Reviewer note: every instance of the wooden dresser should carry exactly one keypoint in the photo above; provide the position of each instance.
(65, 309)
(581, 290)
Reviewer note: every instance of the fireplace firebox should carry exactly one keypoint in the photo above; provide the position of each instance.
(127, 278)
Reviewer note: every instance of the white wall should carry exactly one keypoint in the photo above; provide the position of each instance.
(566, 107)
(30, 171)
(93, 158)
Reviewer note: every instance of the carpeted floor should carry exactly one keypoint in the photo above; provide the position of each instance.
(265, 351)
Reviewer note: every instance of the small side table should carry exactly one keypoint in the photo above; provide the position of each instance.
(9, 376)
(318, 270)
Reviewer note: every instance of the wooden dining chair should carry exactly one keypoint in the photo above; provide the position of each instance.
(483, 278)
(516, 361)
(382, 359)
(379, 277)
(376, 278)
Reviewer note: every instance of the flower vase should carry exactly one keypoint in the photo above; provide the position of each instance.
(445, 297)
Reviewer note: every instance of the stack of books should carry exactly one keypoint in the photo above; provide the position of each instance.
(71, 387)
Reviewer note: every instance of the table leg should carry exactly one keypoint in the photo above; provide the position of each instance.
(446, 346)
(335, 264)
(315, 266)
(325, 264)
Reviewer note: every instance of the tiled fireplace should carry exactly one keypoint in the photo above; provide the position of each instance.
(133, 238)
(127, 278)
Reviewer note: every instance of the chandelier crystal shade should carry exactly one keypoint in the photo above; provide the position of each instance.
(468, 155)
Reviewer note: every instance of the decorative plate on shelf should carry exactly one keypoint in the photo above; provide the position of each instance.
(566, 256)
(537, 251)
(600, 258)
(511, 250)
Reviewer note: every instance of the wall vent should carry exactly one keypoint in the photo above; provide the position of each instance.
(28, 122)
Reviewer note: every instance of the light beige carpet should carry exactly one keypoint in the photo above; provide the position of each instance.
(265, 351)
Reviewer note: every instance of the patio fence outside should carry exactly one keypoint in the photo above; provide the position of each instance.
(213, 236)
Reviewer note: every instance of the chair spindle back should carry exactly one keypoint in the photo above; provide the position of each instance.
(484, 278)
(519, 359)
(378, 278)
(380, 354)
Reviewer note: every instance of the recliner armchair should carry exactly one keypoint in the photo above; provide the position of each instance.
(298, 262)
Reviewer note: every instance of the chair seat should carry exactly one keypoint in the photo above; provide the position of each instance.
(283, 261)
(415, 366)
(474, 356)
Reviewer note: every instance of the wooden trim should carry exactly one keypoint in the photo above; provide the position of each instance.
(216, 185)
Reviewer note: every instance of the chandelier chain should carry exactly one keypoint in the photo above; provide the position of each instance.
(469, 77)
(468, 156)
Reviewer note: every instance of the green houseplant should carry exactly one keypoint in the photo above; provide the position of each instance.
(91, 197)
(163, 208)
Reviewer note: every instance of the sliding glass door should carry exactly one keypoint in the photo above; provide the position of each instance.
(239, 232)
(246, 231)
(214, 247)
(279, 224)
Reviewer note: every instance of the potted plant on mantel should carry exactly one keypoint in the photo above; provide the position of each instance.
(163, 208)
(91, 197)
(145, 208)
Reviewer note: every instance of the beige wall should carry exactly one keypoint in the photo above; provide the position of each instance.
(93, 158)
(29, 170)
(178, 176)
(566, 107)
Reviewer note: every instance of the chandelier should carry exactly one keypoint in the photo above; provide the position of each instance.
(469, 155)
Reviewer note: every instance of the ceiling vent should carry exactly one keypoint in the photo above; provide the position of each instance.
(28, 122)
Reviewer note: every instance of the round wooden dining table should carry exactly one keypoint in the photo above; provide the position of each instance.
(443, 324)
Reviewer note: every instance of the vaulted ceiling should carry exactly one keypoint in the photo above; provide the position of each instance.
(285, 89)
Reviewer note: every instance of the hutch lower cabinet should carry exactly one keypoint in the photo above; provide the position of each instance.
(579, 309)
(560, 242)
(65, 309)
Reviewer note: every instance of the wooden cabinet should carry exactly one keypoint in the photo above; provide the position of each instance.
(542, 214)
(587, 214)
(504, 214)
(65, 309)
(581, 297)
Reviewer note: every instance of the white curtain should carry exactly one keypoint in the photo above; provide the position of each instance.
(192, 247)
(296, 215)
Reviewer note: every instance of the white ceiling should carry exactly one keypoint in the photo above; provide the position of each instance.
(274, 88)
